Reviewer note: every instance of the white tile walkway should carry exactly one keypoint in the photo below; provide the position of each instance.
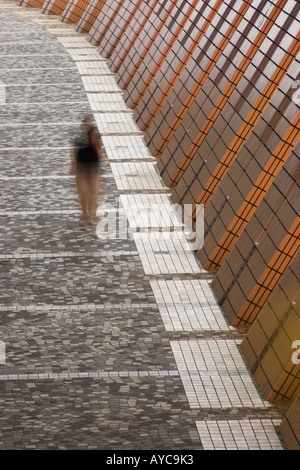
(100, 84)
(115, 123)
(99, 67)
(55, 30)
(166, 253)
(150, 210)
(136, 176)
(75, 43)
(254, 434)
(188, 305)
(126, 147)
(214, 374)
(84, 54)
(107, 102)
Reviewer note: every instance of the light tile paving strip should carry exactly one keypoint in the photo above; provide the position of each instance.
(39, 178)
(90, 374)
(150, 211)
(110, 123)
(39, 212)
(98, 67)
(137, 176)
(75, 43)
(102, 84)
(68, 254)
(188, 305)
(46, 20)
(245, 434)
(74, 307)
(214, 375)
(84, 54)
(126, 147)
(107, 102)
(56, 31)
(166, 253)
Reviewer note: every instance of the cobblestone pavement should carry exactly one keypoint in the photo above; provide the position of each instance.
(110, 343)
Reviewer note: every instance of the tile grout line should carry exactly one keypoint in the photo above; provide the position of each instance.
(86, 375)
(75, 307)
(68, 254)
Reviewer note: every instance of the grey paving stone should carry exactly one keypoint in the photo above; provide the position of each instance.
(58, 280)
(41, 93)
(24, 195)
(54, 233)
(40, 76)
(21, 49)
(44, 113)
(119, 413)
(37, 162)
(40, 62)
(39, 136)
(86, 340)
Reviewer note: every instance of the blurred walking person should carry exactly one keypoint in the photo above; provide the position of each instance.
(85, 164)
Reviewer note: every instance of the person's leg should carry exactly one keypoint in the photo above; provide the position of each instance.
(93, 193)
(82, 189)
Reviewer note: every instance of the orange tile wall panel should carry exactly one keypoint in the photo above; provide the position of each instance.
(287, 384)
(268, 345)
(54, 7)
(236, 218)
(246, 128)
(159, 51)
(74, 11)
(90, 15)
(199, 171)
(157, 142)
(134, 29)
(118, 30)
(197, 87)
(31, 3)
(146, 38)
(180, 143)
(104, 21)
(290, 426)
(183, 49)
(226, 128)
(263, 251)
(212, 104)
(253, 301)
(180, 93)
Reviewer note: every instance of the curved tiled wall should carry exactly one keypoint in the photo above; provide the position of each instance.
(212, 83)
